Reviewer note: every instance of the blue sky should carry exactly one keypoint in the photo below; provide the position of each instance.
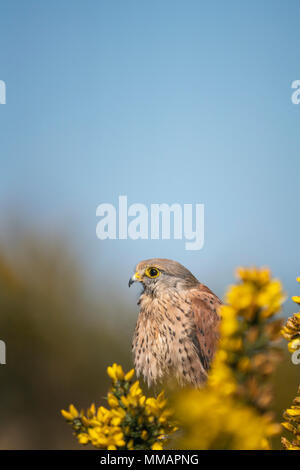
(163, 101)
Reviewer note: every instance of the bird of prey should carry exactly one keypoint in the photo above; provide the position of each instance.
(177, 328)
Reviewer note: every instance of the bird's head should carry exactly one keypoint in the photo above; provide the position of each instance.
(158, 274)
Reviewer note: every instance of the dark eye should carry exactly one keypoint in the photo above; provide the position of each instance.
(152, 272)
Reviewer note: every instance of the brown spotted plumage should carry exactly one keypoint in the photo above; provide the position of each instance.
(177, 328)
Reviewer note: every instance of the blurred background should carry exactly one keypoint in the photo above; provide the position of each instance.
(173, 101)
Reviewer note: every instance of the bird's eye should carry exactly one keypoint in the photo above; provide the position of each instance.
(152, 272)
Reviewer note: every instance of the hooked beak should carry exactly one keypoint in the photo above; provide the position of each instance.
(134, 278)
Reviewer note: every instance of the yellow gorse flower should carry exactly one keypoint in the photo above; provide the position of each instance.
(71, 414)
(258, 276)
(115, 372)
(133, 421)
(212, 421)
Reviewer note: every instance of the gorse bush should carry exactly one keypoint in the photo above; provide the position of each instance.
(232, 411)
(291, 332)
(132, 421)
(292, 424)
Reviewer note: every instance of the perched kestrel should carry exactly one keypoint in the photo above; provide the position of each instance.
(177, 328)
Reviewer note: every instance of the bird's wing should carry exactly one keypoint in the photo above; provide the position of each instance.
(205, 306)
